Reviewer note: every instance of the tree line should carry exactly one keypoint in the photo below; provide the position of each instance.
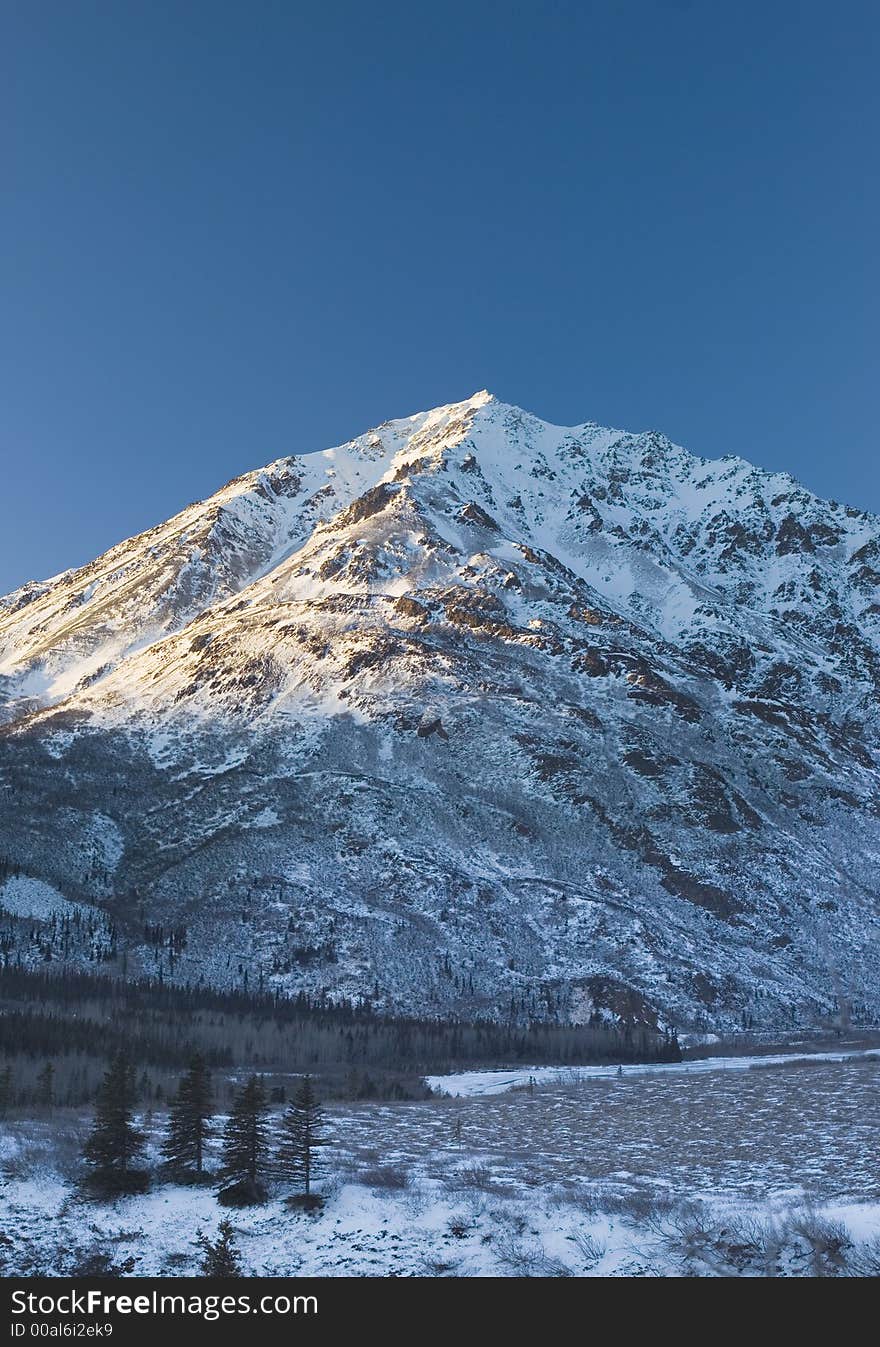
(357, 1052)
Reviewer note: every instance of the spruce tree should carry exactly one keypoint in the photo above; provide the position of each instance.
(115, 1141)
(45, 1090)
(245, 1143)
(221, 1259)
(6, 1090)
(301, 1136)
(189, 1119)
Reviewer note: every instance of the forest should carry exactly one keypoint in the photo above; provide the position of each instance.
(58, 1029)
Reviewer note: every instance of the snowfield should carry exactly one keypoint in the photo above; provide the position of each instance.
(770, 1169)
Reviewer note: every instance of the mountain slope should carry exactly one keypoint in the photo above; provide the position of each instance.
(470, 711)
(71, 630)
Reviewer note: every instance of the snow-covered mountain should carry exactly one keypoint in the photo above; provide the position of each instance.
(469, 712)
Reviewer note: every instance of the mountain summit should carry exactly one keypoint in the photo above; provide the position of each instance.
(472, 713)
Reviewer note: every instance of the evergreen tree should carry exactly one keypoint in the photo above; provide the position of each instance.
(45, 1091)
(245, 1144)
(115, 1141)
(6, 1091)
(221, 1259)
(189, 1119)
(301, 1136)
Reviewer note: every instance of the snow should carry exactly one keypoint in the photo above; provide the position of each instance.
(361, 1232)
(674, 1174)
(25, 897)
(469, 1084)
(268, 626)
(426, 1230)
(267, 818)
(249, 538)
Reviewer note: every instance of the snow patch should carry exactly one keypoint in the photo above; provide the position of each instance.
(23, 896)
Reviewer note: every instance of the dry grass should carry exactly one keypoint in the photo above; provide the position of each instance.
(384, 1176)
(779, 1142)
(743, 1134)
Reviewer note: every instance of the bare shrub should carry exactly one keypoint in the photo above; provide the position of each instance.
(477, 1176)
(526, 1260)
(828, 1243)
(583, 1199)
(693, 1239)
(25, 1162)
(744, 1244)
(695, 1235)
(416, 1198)
(801, 1244)
(440, 1267)
(459, 1226)
(43, 1149)
(591, 1250)
(177, 1260)
(864, 1260)
(554, 1267)
(641, 1206)
(66, 1150)
(773, 1244)
(389, 1177)
(514, 1220)
(98, 1262)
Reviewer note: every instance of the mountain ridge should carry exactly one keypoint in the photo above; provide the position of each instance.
(653, 677)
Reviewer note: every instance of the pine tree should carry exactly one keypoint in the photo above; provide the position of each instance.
(189, 1119)
(301, 1136)
(245, 1144)
(115, 1141)
(221, 1259)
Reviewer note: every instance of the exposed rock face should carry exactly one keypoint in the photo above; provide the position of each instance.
(471, 711)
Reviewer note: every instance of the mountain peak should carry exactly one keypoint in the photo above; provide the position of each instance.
(593, 716)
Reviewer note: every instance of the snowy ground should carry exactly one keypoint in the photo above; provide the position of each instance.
(26, 897)
(767, 1170)
(472, 1083)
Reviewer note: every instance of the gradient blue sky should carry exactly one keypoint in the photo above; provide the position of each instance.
(231, 231)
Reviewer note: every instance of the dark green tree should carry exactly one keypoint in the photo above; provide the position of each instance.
(115, 1142)
(45, 1086)
(245, 1140)
(221, 1259)
(6, 1090)
(301, 1136)
(189, 1119)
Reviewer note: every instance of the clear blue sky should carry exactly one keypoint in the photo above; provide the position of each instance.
(231, 231)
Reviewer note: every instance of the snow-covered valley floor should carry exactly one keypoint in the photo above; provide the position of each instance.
(768, 1170)
(472, 1083)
